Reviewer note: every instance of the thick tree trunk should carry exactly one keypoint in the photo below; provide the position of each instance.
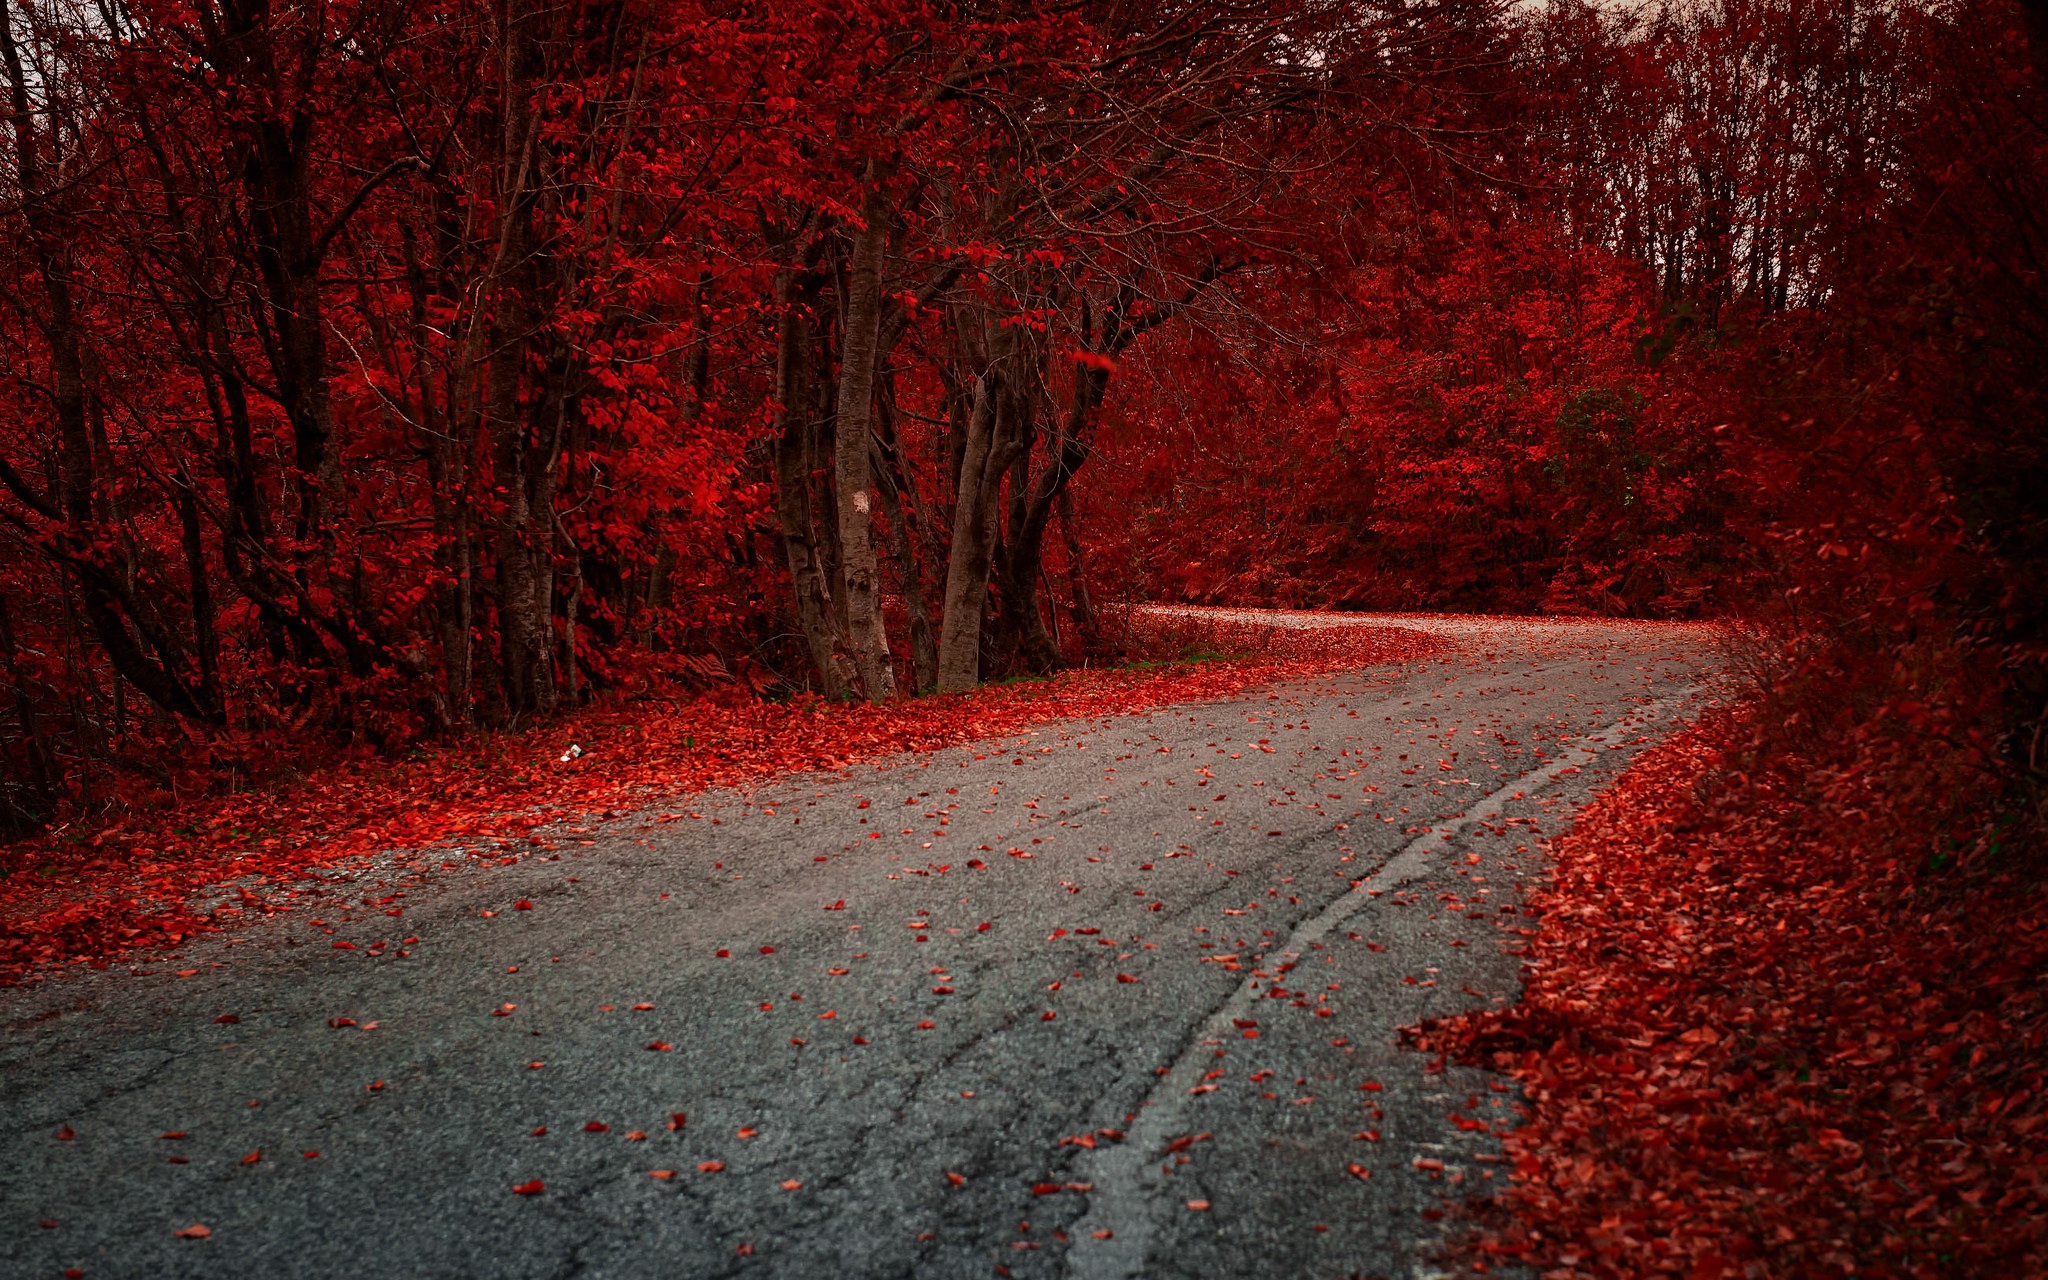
(519, 630)
(1022, 606)
(924, 651)
(1032, 510)
(862, 313)
(793, 489)
(999, 430)
(973, 532)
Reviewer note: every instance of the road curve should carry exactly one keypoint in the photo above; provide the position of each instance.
(1116, 998)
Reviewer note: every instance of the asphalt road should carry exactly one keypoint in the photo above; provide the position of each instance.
(1118, 998)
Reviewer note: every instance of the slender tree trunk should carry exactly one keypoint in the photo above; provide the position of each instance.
(41, 776)
(447, 487)
(570, 604)
(522, 627)
(862, 311)
(1083, 609)
(458, 622)
(205, 640)
(656, 597)
(544, 477)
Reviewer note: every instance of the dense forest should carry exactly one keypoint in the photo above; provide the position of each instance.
(377, 372)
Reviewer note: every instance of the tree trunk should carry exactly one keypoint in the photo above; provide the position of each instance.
(862, 312)
(967, 565)
(39, 779)
(571, 602)
(793, 488)
(523, 612)
(924, 652)
(206, 641)
(998, 432)
(447, 487)
(1032, 510)
(1083, 609)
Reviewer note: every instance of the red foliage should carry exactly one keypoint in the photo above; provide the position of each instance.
(1486, 438)
(1758, 1040)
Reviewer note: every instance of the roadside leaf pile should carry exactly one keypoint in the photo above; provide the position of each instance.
(1762, 1038)
(125, 886)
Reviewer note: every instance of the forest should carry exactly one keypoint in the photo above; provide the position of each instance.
(380, 373)
(381, 381)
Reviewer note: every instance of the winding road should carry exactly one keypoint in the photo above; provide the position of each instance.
(1116, 998)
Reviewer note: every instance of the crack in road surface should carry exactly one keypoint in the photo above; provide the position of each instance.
(1009, 1008)
(1112, 1240)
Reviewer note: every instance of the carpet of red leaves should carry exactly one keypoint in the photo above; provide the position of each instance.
(128, 884)
(1764, 1036)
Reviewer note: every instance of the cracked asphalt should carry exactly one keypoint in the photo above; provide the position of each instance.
(1115, 998)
